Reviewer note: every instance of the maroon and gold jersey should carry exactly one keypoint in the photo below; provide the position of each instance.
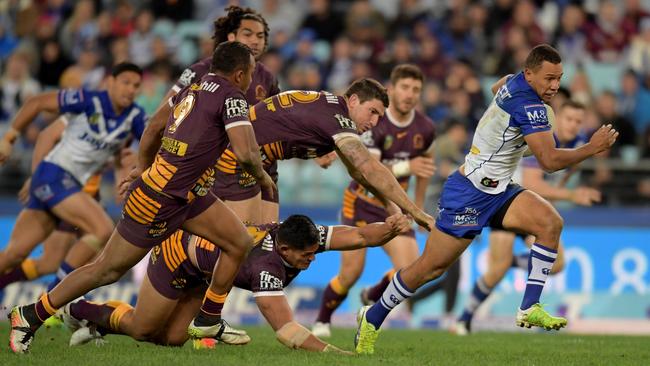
(263, 85)
(195, 137)
(395, 143)
(264, 272)
(296, 124)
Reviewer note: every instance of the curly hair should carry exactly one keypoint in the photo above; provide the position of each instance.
(232, 21)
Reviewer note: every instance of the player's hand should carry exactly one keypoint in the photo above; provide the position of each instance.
(267, 184)
(326, 160)
(128, 158)
(5, 150)
(399, 223)
(424, 220)
(23, 194)
(603, 138)
(126, 182)
(422, 166)
(585, 196)
(329, 348)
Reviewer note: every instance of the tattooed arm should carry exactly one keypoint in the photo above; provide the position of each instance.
(373, 175)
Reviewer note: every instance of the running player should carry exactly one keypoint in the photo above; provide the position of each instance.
(481, 192)
(179, 266)
(309, 124)
(566, 131)
(247, 26)
(174, 193)
(98, 125)
(402, 141)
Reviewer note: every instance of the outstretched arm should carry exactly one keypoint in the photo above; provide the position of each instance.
(44, 102)
(278, 313)
(245, 147)
(552, 158)
(151, 137)
(373, 175)
(372, 235)
(46, 141)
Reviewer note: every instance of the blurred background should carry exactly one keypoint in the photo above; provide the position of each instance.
(462, 46)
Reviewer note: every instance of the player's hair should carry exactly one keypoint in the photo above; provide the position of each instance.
(406, 71)
(541, 53)
(230, 22)
(573, 104)
(298, 232)
(368, 89)
(124, 67)
(229, 57)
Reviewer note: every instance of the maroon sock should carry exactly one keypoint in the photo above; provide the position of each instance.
(100, 314)
(331, 301)
(13, 275)
(375, 292)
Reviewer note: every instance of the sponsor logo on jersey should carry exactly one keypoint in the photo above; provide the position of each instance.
(174, 146)
(236, 107)
(155, 253)
(345, 122)
(366, 138)
(186, 77)
(322, 235)
(99, 144)
(468, 218)
(489, 182)
(401, 134)
(388, 142)
(269, 281)
(536, 114)
(157, 229)
(418, 141)
(178, 283)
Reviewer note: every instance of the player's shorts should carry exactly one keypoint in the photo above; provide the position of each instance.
(170, 270)
(50, 185)
(148, 217)
(359, 212)
(464, 210)
(241, 186)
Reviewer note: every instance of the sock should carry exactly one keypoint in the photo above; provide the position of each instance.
(520, 261)
(210, 312)
(375, 292)
(25, 271)
(106, 316)
(63, 271)
(480, 292)
(44, 309)
(395, 293)
(333, 296)
(539, 267)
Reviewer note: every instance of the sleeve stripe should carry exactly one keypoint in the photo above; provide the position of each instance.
(237, 124)
(176, 88)
(340, 136)
(268, 293)
(330, 229)
(169, 101)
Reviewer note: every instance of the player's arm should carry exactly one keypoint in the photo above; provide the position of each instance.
(44, 102)
(152, 135)
(46, 141)
(373, 175)
(533, 179)
(422, 178)
(278, 313)
(551, 158)
(371, 235)
(247, 151)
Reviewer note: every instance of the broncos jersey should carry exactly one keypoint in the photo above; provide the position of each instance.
(498, 144)
(93, 132)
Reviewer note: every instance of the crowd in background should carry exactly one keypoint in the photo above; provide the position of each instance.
(461, 45)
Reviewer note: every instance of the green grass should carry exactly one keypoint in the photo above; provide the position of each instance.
(394, 347)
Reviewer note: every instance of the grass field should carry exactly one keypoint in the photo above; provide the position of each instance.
(394, 347)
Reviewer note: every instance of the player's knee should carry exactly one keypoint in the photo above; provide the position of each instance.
(144, 333)
(175, 340)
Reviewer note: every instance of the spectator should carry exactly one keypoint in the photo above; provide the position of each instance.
(52, 64)
(326, 23)
(639, 54)
(122, 21)
(141, 39)
(628, 96)
(173, 10)
(80, 30)
(607, 110)
(605, 38)
(570, 38)
(16, 86)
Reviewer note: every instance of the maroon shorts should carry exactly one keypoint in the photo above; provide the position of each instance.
(170, 270)
(359, 212)
(241, 186)
(148, 217)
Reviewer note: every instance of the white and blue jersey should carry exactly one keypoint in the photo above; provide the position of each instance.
(471, 202)
(498, 144)
(93, 134)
